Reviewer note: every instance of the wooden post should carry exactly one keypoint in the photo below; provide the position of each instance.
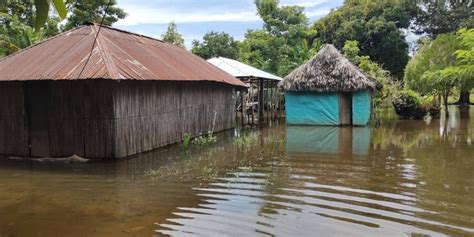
(242, 107)
(260, 100)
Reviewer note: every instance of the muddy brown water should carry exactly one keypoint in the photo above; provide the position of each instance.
(404, 178)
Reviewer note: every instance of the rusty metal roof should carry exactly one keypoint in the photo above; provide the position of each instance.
(117, 55)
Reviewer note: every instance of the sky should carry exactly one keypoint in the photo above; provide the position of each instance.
(194, 18)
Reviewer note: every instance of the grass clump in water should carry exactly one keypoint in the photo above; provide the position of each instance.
(205, 140)
(245, 141)
(186, 140)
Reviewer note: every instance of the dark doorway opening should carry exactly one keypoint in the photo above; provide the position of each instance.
(37, 101)
(345, 108)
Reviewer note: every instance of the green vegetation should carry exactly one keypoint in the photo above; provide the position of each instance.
(424, 72)
(389, 87)
(93, 11)
(186, 140)
(283, 44)
(408, 104)
(205, 140)
(172, 35)
(443, 65)
(435, 17)
(24, 23)
(376, 24)
(245, 141)
(17, 27)
(216, 44)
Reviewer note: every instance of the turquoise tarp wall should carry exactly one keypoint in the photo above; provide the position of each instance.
(361, 107)
(311, 108)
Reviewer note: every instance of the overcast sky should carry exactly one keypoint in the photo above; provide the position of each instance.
(197, 17)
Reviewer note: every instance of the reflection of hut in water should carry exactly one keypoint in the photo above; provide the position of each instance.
(100, 92)
(327, 140)
(328, 90)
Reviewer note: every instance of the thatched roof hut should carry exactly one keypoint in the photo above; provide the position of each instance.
(328, 71)
(328, 90)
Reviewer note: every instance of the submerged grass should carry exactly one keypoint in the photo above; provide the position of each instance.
(246, 141)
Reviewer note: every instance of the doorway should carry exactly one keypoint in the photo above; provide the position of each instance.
(345, 108)
(37, 101)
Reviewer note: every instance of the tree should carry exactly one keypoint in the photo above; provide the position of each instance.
(464, 70)
(376, 25)
(93, 11)
(172, 35)
(36, 16)
(426, 72)
(284, 42)
(17, 27)
(351, 51)
(436, 17)
(216, 44)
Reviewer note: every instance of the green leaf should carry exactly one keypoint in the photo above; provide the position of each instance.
(42, 11)
(60, 8)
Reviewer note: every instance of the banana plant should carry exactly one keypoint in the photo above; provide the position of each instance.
(42, 10)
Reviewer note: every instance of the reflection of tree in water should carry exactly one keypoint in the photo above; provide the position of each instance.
(441, 172)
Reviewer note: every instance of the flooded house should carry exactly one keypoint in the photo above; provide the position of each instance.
(100, 92)
(328, 90)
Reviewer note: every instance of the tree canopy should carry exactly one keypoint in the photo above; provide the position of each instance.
(376, 25)
(426, 73)
(93, 11)
(18, 27)
(172, 35)
(436, 17)
(216, 44)
(283, 43)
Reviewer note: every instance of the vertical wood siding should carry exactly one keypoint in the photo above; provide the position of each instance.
(154, 114)
(81, 119)
(110, 119)
(13, 120)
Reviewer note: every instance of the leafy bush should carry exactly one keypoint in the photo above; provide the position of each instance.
(205, 140)
(409, 105)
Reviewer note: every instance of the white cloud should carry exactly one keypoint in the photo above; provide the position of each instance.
(163, 14)
(143, 15)
(303, 3)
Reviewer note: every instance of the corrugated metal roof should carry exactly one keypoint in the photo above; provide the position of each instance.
(116, 55)
(238, 69)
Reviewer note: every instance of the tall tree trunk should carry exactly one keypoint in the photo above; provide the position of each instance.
(464, 97)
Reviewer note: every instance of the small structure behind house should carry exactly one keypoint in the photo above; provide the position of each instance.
(328, 90)
(100, 92)
(262, 96)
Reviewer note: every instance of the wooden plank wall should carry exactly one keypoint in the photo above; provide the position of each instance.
(110, 119)
(153, 114)
(13, 121)
(81, 118)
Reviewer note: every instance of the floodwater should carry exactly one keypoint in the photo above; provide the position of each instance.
(404, 178)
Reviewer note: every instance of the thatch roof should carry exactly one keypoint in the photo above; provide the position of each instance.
(328, 71)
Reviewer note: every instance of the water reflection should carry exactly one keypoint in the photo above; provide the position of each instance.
(320, 140)
(405, 178)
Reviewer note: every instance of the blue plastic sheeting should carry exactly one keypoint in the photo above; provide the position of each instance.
(361, 107)
(312, 140)
(311, 108)
(327, 140)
